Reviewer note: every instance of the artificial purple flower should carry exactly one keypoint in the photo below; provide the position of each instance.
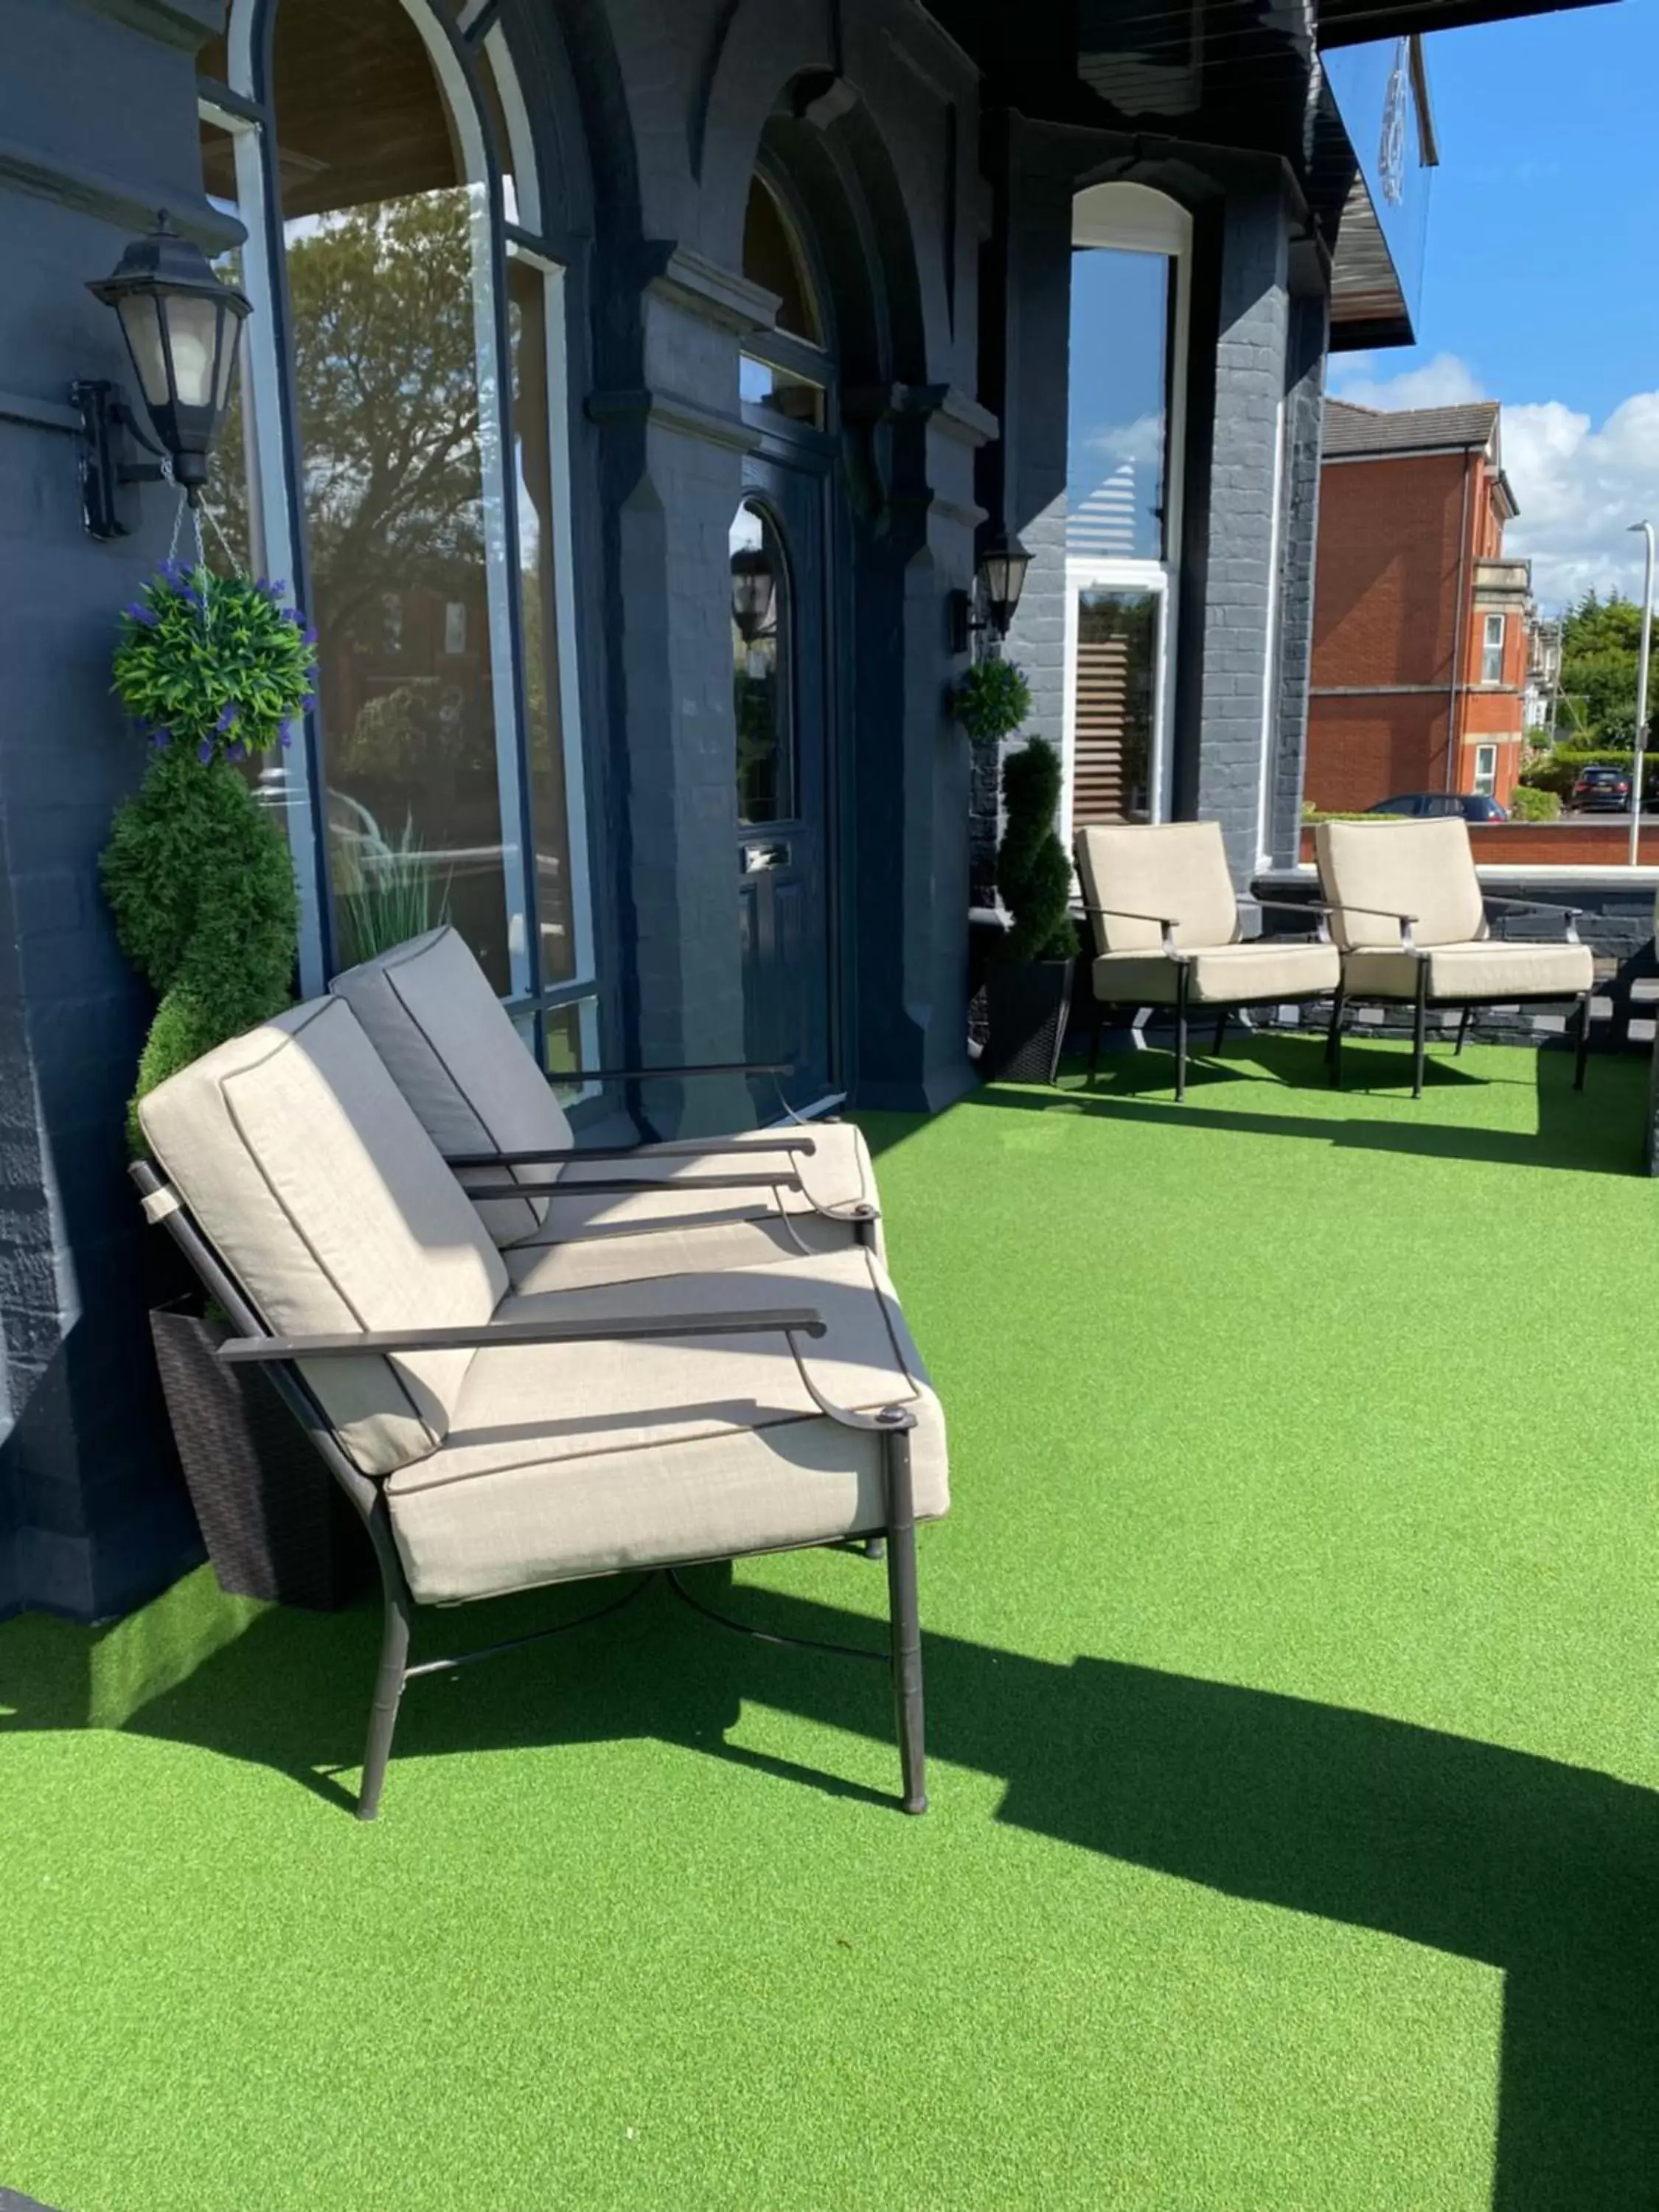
(205, 751)
(309, 634)
(227, 716)
(194, 599)
(139, 612)
(308, 702)
(237, 750)
(287, 741)
(161, 739)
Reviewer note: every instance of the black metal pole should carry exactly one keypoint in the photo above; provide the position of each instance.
(904, 1607)
(1419, 1033)
(1181, 1032)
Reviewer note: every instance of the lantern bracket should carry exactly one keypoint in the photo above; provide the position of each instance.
(107, 419)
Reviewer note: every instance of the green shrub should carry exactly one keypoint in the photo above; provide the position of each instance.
(1529, 803)
(197, 872)
(1033, 874)
(1566, 763)
(991, 701)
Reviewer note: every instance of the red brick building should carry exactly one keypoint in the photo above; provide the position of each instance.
(1419, 657)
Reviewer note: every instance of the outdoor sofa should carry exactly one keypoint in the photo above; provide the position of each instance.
(496, 1435)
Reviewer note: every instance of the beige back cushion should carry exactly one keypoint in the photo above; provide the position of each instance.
(304, 1167)
(1420, 868)
(1177, 868)
(432, 1016)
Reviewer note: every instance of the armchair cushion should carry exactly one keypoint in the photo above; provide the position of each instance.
(1173, 868)
(1222, 974)
(1424, 869)
(1492, 967)
(567, 1461)
(432, 1015)
(308, 1171)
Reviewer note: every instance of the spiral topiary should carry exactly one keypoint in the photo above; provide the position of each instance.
(197, 872)
(1033, 876)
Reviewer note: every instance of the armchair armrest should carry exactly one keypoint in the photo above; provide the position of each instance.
(694, 1067)
(647, 1149)
(793, 1321)
(760, 1180)
(1168, 923)
(1407, 942)
(1570, 915)
(1317, 908)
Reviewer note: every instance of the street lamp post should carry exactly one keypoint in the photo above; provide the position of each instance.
(1646, 528)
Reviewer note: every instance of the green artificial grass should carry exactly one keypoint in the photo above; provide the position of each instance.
(1292, 1654)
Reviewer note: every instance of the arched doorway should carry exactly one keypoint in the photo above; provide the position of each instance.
(783, 695)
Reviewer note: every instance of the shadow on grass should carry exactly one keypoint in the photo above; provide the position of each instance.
(1577, 1130)
(1548, 1873)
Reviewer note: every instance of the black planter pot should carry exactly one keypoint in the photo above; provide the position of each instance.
(1026, 1004)
(277, 1524)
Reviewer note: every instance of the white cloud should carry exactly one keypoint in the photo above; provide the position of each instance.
(1579, 487)
(1139, 441)
(1445, 382)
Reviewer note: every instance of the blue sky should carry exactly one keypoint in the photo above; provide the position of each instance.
(1541, 276)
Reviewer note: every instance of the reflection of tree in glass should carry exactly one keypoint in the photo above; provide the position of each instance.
(754, 700)
(386, 373)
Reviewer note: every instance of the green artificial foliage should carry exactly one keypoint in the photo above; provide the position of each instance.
(196, 872)
(992, 700)
(1033, 876)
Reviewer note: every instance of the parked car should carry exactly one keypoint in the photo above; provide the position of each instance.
(1473, 805)
(1601, 788)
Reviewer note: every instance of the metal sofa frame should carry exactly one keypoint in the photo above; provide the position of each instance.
(280, 1357)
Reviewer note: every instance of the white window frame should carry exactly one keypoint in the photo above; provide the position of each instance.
(1489, 644)
(1486, 771)
(265, 368)
(1127, 218)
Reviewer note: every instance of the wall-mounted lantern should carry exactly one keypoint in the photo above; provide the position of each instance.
(754, 592)
(1000, 577)
(182, 326)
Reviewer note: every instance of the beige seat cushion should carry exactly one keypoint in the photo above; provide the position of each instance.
(1492, 967)
(705, 1245)
(305, 1167)
(1173, 868)
(1225, 975)
(432, 1015)
(566, 1461)
(1420, 868)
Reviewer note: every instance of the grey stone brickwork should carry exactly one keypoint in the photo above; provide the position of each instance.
(1304, 416)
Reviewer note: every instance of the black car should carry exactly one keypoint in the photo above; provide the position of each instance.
(1601, 788)
(1473, 805)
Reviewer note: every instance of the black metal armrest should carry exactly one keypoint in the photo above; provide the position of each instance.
(759, 1181)
(1570, 915)
(1407, 942)
(1314, 907)
(646, 1149)
(643, 1075)
(493, 1336)
(1168, 923)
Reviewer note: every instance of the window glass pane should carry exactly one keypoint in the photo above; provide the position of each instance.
(772, 258)
(761, 675)
(532, 475)
(1112, 702)
(1115, 454)
(231, 531)
(379, 227)
(797, 398)
(500, 137)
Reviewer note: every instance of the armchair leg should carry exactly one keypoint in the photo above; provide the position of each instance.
(1421, 1028)
(1094, 1042)
(1463, 1021)
(1334, 1037)
(1220, 1031)
(388, 1694)
(1181, 1034)
(905, 1618)
(1583, 1040)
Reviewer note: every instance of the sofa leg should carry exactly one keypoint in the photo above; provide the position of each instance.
(1180, 1034)
(388, 1694)
(1421, 1028)
(905, 1618)
(1583, 1052)
(1094, 1042)
(1334, 1037)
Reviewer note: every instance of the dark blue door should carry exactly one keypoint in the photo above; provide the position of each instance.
(780, 682)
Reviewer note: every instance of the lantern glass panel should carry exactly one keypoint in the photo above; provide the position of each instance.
(193, 328)
(141, 321)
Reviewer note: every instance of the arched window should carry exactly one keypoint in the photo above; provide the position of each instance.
(409, 442)
(785, 370)
(1126, 378)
